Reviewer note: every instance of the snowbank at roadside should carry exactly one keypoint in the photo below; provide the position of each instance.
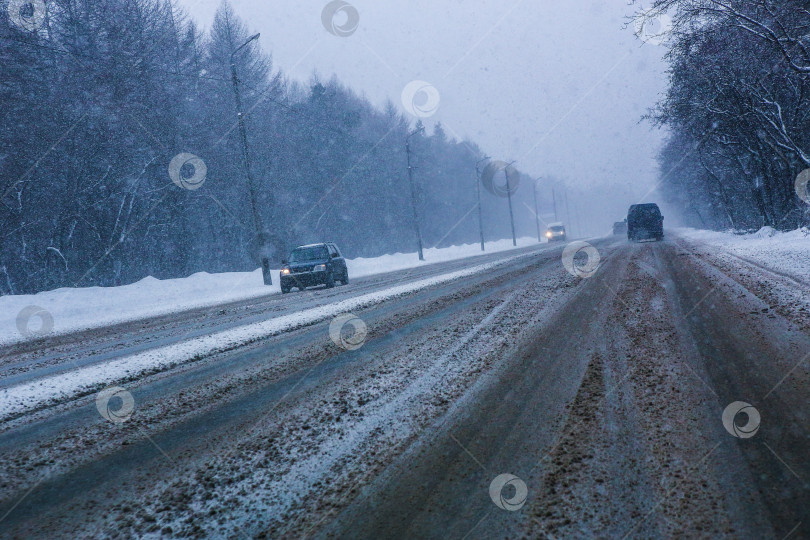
(71, 309)
(784, 252)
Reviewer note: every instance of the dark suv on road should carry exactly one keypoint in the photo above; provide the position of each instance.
(645, 222)
(315, 264)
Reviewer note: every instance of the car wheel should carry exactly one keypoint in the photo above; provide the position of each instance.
(330, 280)
(285, 290)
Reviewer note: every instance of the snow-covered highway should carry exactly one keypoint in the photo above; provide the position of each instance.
(603, 396)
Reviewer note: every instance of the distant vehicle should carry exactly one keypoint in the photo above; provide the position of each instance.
(555, 232)
(314, 264)
(645, 222)
(620, 228)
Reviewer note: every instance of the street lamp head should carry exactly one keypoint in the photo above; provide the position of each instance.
(414, 132)
(252, 38)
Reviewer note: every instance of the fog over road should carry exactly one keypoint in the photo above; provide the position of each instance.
(602, 396)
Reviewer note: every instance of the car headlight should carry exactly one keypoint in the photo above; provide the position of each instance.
(319, 268)
(285, 271)
(549, 235)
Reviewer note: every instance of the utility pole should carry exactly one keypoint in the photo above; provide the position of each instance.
(568, 219)
(554, 198)
(509, 196)
(413, 190)
(257, 220)
(536, 212)
(478, 192)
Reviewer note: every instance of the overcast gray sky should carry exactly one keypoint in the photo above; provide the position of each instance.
(558, 85)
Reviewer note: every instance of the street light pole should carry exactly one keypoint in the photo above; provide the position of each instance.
(478, 193)
(568, 219)
(554, 198)
(580, 229)
(257, 220)
(536, 214)
(509, 196)
(413, 191)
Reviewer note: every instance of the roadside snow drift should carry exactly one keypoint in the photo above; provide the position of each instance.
(78, 309)
(786, 253)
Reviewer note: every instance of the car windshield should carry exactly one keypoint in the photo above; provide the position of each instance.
(308, 254)
(556, 229)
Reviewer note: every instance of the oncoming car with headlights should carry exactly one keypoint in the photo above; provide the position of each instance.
(312, 265)
(555, 232)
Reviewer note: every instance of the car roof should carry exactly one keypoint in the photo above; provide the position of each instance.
(556, 224)
(319, 244)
